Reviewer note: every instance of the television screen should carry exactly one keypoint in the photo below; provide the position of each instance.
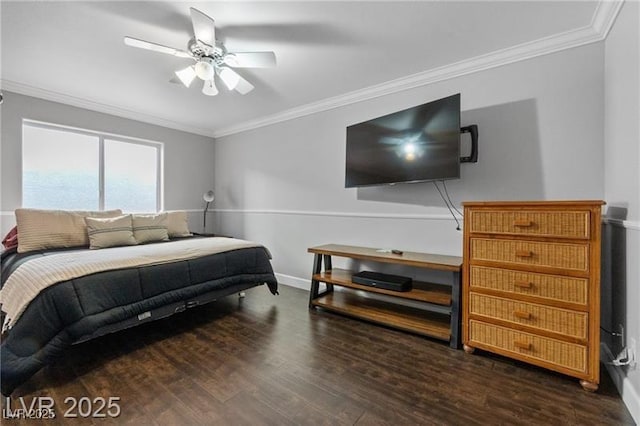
(417, 144)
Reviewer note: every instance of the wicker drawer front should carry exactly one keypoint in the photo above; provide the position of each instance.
(567, 322)
(527, 345)
(554, 287)
(554, 255)
(561, 224)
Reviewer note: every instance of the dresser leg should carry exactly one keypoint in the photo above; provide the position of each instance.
(468, 349)
(589, 386)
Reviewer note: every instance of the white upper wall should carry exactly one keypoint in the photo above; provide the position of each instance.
(188, 158)
(621, 283)
(622, 114)
(541, 137)
(540, 125)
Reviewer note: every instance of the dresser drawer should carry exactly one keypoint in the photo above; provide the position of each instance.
(554, 287)
(529, 346)
(553, 255)
(559, 224)
(563, 321)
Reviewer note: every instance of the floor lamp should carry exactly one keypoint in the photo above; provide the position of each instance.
(208, 198)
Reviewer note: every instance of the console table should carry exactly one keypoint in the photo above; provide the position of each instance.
(438, 315)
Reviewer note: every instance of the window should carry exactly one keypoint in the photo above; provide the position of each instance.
(60, 169)
(130, 176)
(74, 169)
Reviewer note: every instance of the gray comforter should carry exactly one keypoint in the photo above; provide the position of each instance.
(70, 311)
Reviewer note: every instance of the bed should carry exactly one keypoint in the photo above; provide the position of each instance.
(46, 308)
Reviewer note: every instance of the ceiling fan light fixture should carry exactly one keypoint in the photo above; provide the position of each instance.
(229, 77)
(209, 88)
(210, 56)
(205, 69)
(186, 75)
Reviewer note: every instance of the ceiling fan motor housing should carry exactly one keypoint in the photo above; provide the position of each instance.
(201, 50)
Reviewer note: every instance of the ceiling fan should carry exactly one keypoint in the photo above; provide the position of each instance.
(211, 57)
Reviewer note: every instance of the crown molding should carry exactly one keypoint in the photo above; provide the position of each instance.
(479, 63)
(49, 95)
(601, 22)
(605, 15)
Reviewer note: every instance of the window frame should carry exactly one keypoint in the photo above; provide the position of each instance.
(101, 170)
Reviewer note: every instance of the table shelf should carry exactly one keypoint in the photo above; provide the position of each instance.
(395, 316)
(435, 307)
(437, 294)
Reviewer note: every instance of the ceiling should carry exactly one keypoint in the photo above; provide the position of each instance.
(74, 51)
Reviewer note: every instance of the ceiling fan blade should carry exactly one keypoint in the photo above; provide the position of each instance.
(209, 88)
(233, 80)
(186, 75)
(147, 45)
(203, 27)
(250, 59)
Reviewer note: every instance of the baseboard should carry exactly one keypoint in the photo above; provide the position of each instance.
(292, 281)
(630, 395)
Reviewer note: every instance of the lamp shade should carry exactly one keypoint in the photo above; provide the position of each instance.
(204, 69)
(208, 196)
(186, 75)
(209, 88)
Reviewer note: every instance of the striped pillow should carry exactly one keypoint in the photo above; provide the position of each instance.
(150, 227)
(45, 229)
(110, 232)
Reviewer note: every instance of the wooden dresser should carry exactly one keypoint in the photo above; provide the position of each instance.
(531, 284)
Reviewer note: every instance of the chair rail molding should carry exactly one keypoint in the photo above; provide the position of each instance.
(339, 214)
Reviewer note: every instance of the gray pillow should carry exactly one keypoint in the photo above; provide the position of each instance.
(148, 228)
(110, 232)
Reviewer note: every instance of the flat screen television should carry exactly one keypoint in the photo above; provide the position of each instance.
(413, 145)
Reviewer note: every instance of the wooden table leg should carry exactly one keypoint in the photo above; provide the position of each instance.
(328, 267)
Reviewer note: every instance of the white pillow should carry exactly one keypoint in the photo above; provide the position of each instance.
(178, 225)
(150, 227)
(110, 232)
(44, 229)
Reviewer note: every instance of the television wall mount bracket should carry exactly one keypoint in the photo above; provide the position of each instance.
(473, 157)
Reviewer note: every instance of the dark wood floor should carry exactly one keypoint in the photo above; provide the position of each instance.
(269, 360)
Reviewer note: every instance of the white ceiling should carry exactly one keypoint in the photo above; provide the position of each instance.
(74, 51)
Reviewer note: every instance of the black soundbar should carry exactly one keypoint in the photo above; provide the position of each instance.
(384, 281)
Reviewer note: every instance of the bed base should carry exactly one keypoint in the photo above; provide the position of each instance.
(168, 310)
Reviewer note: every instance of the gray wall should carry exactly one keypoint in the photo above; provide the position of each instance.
(621, 278)
(188, 158)
(541, 128)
